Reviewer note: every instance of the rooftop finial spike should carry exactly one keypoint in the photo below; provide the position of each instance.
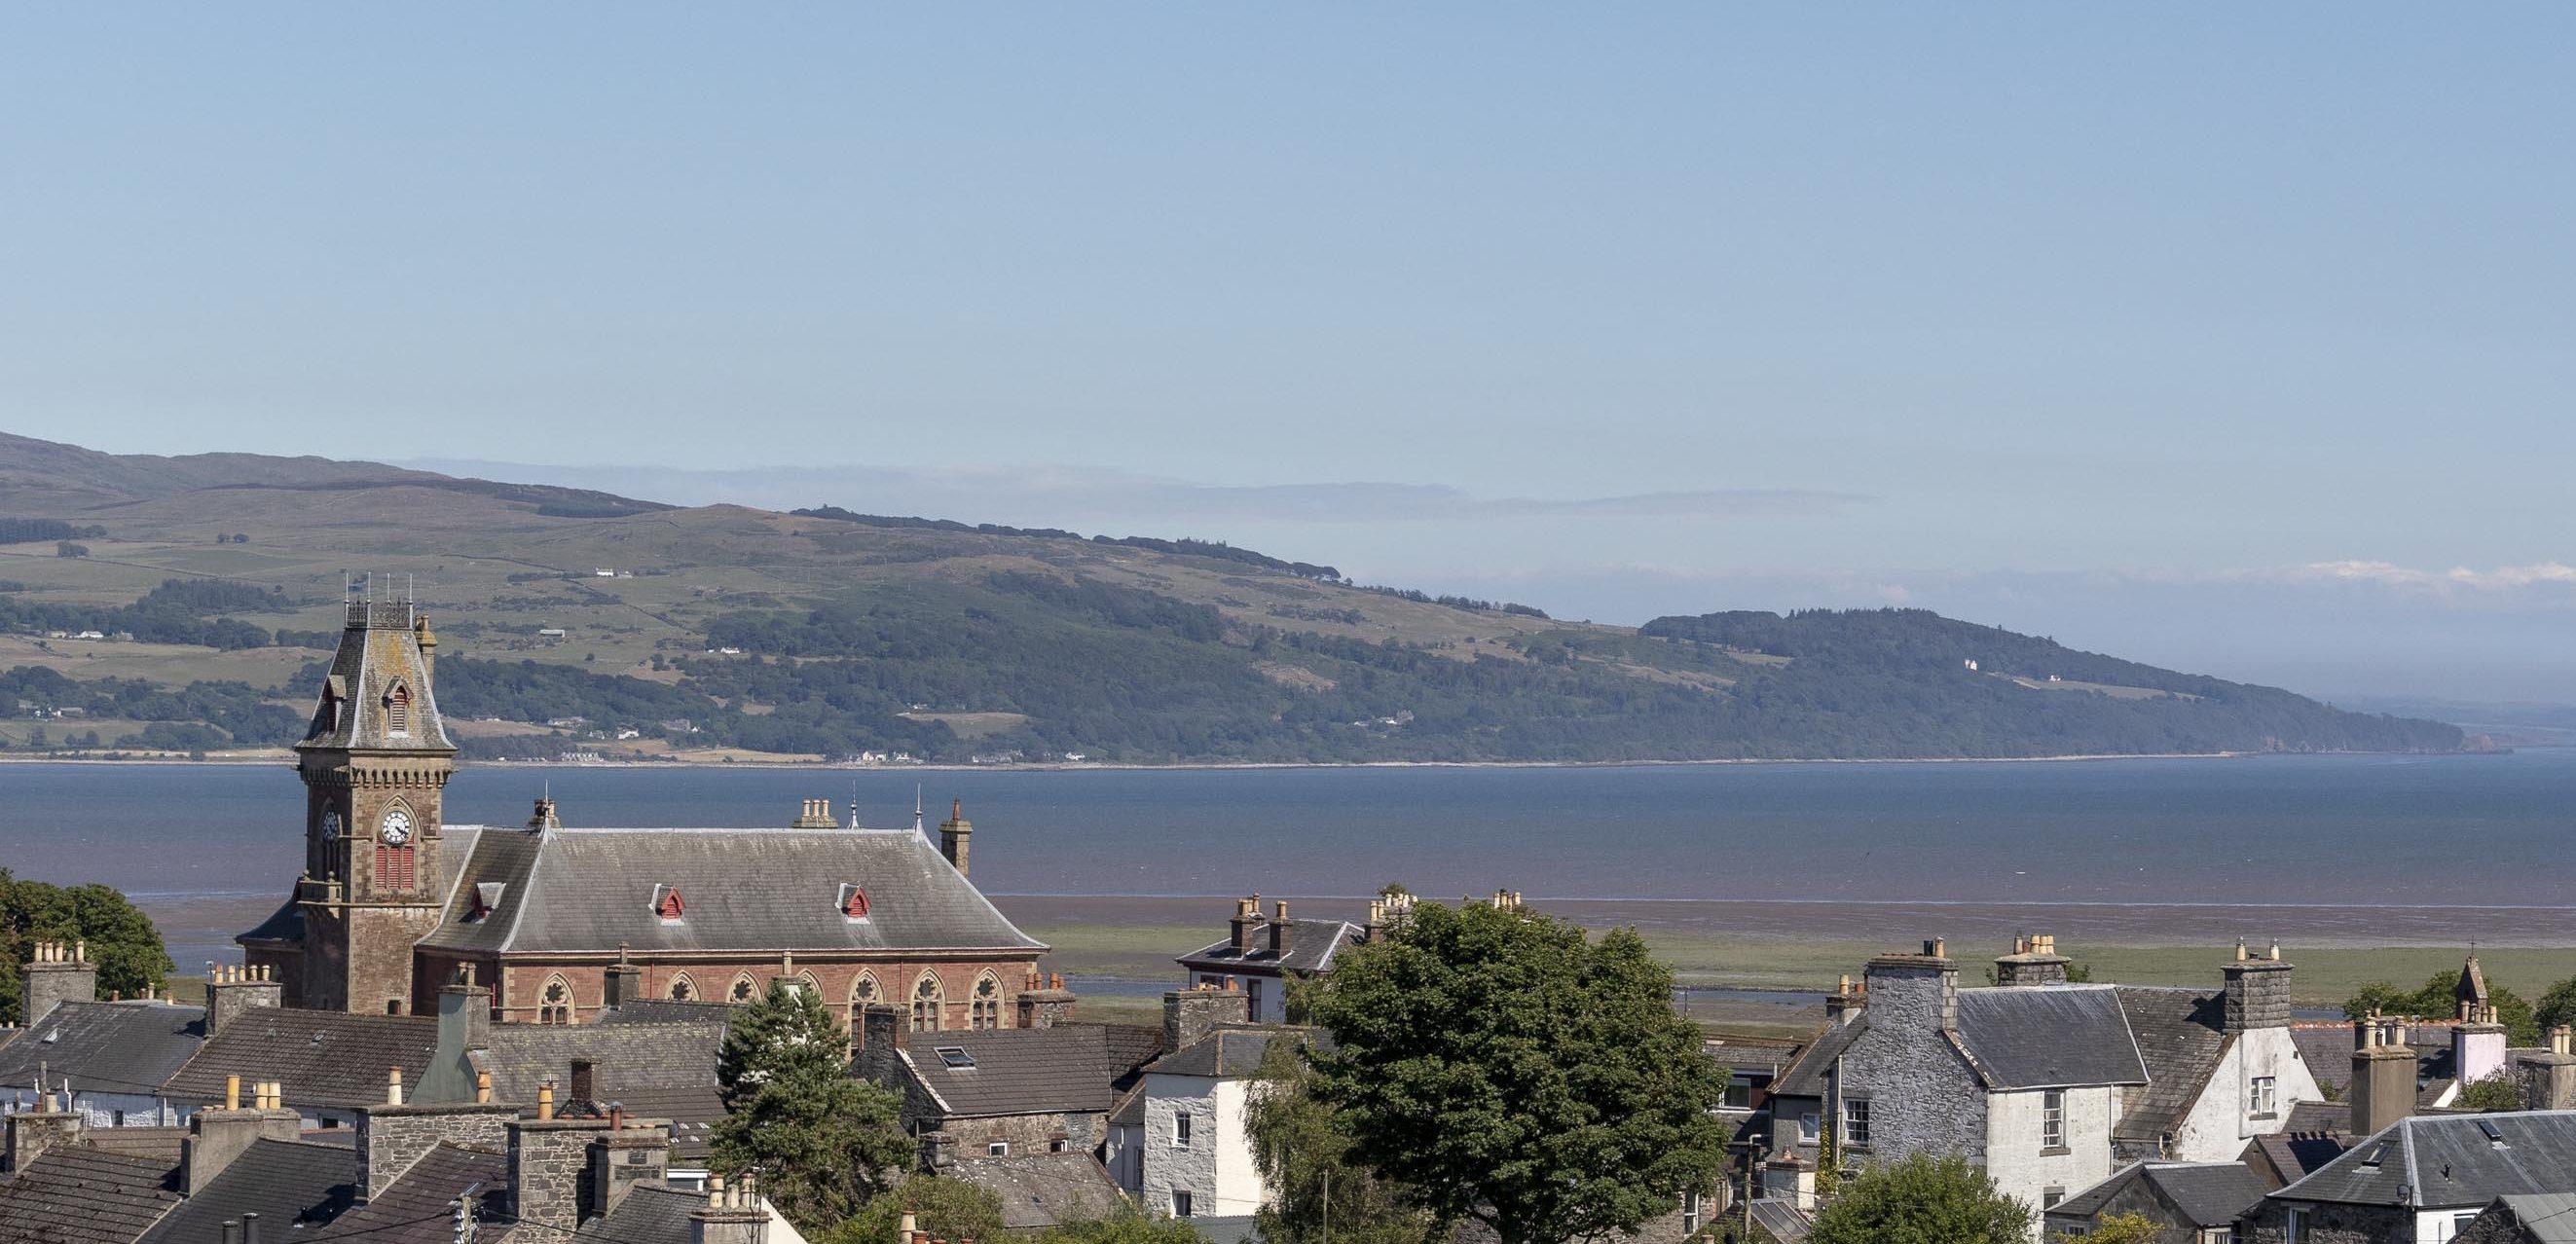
(917, 826)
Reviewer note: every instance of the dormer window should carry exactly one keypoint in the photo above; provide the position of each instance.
(398, 711)
(486, 896)
(667, 904)
(854, 902)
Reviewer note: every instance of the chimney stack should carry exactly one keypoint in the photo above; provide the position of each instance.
(2257, 993)
(464, 1025)
(1247, 916)
(2383, 1074)
(1189, 1015)
(622, 983)
(732, 1215)
(216, 1137)
(817, 815)
(51, 1124)
(2034, 961)
(1914, 991)
(1280, 933)
(232, 990)
(953, 835)
(544, 817)
(2549, 1074)
(58, 972)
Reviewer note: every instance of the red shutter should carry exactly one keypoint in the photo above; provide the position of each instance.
(394, 868)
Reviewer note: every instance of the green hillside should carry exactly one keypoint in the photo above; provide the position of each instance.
(721, 632)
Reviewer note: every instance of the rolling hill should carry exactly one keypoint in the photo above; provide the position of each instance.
(579, 621)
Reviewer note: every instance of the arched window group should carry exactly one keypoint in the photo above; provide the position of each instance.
(985, 1011)
(926, 1002)
(554, 1004)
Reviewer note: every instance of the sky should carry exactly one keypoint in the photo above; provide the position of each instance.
(2236, 340)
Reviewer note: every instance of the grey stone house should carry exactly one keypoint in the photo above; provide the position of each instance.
(2190, 1202)
(2422, 1178)
(2543, 1218)
(1004, 1092)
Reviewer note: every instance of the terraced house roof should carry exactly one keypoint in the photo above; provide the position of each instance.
(2456, 1161)
(104, 1047)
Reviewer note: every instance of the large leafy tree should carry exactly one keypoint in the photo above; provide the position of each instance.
(2556, 1007)
(122, 940)
(1318, 1192)
(822, 1144)
(2122, 1229)
(1922, 1200)
(1126, 1225)
(1506, 1070)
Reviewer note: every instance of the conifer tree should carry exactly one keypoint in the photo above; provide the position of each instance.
(821, 1143)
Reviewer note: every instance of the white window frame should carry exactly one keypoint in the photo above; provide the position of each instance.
(1180, 1129)
(2263, 1096)
(1855, 1128)
(2052, 1118)
(2294, 1225)
(997, 1148)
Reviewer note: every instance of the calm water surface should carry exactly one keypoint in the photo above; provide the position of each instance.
(2348, 833)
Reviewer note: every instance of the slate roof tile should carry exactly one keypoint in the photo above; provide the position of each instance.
(1041, 1190)
(2049, 1036)
(2448, 1161)
(1311, 947)
(2179, 1036)
(284, 1182)
(74, 1194)
(321, 1058)
(1069, 1067)
(419, 1206)
(115, 1047)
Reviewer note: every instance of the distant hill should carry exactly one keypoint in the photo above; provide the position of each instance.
(581, 621)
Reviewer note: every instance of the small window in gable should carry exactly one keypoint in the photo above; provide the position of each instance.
(398, 710)
(667, 904)
(854, 902)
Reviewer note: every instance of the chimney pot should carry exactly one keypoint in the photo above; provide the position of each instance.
(393, 1086)
(232, 1092)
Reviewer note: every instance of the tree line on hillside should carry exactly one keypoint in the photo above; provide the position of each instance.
(1216, 549)
(25, 530)
(199, 716)
(177, 612)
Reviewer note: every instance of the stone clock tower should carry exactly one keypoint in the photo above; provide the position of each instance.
(373, 764)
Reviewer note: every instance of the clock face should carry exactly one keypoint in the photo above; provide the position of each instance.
(396, 829)
(330, 826)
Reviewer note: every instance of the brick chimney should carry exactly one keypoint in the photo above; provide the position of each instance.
(954, 835)
(216, 1137)
(1046, 1002)
(1914, 991)
(232, 990)
(2034, 961)
(2549, 1074)
(1280, 933)
(59, 972)
(2383, 1074)
(2257, 991)
(1247, 917)
(1189, 1015)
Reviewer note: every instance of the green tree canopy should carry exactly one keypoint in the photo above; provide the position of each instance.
(822, 1144)
(1506, 1070)
(1129, 1225)
(2556, 1007)
(122, 940)
(2122, 1229)
(1922, 1200)
(2438, 1000)
(2495, 1093)
(1320, 1193)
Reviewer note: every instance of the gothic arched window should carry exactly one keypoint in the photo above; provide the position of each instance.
(683, 989)
(863, 991)
(985, 1013)
(398, 710)
(554, 1005)
(743, 989)
(926, 1003)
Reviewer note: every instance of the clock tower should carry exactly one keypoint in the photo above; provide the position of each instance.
(374, 763)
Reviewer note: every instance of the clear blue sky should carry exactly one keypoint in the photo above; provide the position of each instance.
(2120, 325)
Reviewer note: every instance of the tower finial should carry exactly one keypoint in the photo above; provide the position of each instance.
(917, 826)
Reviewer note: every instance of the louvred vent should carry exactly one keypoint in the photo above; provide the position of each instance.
(668, 905)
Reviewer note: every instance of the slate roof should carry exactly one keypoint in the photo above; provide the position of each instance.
(2327, 1050)
(1805, 1075)
(1311, 947)
(590, 891)
(2546, 1217)
(376, 650)
(1069, 1067)
(1041, 1190)
(2180, 1037)
(1226, 1052)
(165, 1145)
(666, 1011)
(651, 1213)
(2319, 1116)
(419, 1206)
(74, 1194)
(284, 1182)
(107, 1047)
(654, 1070)
(2049, 1036)
(2447, 1162)
(2296, 1155)
(321, 1058)
(2206, 1194)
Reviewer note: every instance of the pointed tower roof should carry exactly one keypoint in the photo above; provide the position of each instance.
(377, 696)
(2472, 991)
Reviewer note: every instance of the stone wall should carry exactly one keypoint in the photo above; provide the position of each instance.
(391, 1138)
(2330, 1224)
(1027, 1133)
(549, 1170)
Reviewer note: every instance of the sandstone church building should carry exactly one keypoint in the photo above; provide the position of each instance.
(560, 922)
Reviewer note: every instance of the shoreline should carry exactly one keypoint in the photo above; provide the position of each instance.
(239, 760)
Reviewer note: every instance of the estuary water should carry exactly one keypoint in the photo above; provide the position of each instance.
(2392, 848)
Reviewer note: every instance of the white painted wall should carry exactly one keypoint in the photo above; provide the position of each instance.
(2217, 1124)
(1216, 1167)
(2014, 1157)
(1124, 1154)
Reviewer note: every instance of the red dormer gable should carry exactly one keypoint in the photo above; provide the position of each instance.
(854, 902)
(667, 904)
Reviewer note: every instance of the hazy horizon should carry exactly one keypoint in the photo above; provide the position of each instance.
(2231, 341)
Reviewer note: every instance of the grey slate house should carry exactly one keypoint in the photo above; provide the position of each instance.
(1009, 1092)
(331, 1063)
(2422, 1178)
(112, 1056)
(1264, 953)
(2190, 1202)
